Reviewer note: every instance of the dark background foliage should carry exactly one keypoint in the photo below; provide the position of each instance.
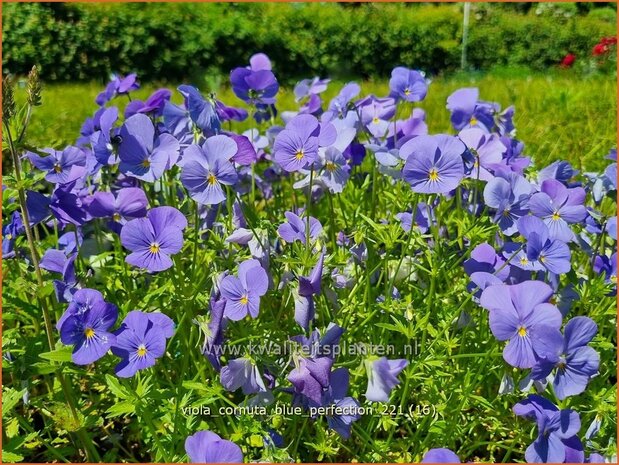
(171, 42)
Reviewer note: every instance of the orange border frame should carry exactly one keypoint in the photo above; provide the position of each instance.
(288, 1)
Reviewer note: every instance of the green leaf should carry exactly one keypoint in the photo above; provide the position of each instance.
(11, 457)
(121, 408)
(10, 398)
(116, 387)
(12, 428)
(63, 354)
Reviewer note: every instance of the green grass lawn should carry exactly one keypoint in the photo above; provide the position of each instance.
(558, 116)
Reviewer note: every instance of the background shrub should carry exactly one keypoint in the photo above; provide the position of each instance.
(165, 41)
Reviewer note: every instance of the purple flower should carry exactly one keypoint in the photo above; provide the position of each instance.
(559, 207)
(205, 168)
(415, 125)
(440, 455)
(85, 325)
(513, 158)
(608, 266)
(58, 261)
(485, 149)
(559, 170)
(610, 173)
(243, 293)
(311, 376)
(336, 395)
(484, 258)
(317, 346)
(508, 194)
(433, 163)
(575, 361)
(611, 227)
(421, 221)
(242, 372)
(153, 104)
(140, 341)
(92, 125)
(207, 447)
(467, 111)
(117, 86)
(127, 204)
(521, 315)
(295, 228)
(407, 84)
(10, 232)
(376, 114)
(338, 107)
(141, 154)
(556, 441)
(65, 205)
(382, 377)
(308, 87)
(101, 140)
(58, 164)
(485, 267)
(256, 84)
(246, 153)
(304, 309)
(336, 170)
(213, 327)
(201, 111)
(310, 285)
(153, 239)
(176, 120)
(296, 147)
(552, 254)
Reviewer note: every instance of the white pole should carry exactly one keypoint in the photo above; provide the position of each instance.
(465, 33)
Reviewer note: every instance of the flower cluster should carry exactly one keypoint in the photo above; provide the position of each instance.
(158, 181)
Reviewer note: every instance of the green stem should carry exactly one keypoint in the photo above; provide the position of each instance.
(333, 227)
(308, 209)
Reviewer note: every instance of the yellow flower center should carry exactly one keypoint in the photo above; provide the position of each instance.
(524, 261)
(556, 216)
(506, 212)
(244, 299)
(142, 350)
(375, 120)
(146, 163)
(89, 333)
(407, 92)
(8, 237)
(331, 166)
(433, 175)
(154, 247)
(542, 259)
(522, 331)
(613, 278)
(116, 216)
(473, 121)
(561, 365)
(57, 168)
(299, 155)
(212, 180)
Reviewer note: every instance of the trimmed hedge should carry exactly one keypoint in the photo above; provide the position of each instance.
(175, 41)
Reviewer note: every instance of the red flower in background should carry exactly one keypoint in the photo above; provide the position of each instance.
(568, 60)
(603, 46)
